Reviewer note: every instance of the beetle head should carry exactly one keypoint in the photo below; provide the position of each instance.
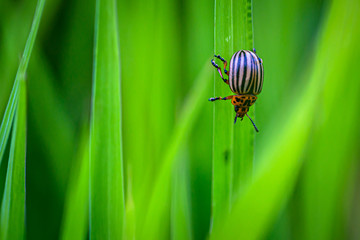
(240, 111)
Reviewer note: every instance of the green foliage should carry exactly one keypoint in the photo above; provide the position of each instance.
(233, 145)
(324, 197)
(139, 152)
(13, 204)
(12, 222)
(75, 219)
(161, 194)
(106, 167)
(10, 108)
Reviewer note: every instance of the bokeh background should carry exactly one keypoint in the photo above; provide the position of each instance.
(164, 46)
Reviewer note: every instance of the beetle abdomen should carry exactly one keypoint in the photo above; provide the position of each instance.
(246, 73)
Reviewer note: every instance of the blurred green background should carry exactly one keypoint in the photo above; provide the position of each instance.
(164, 45)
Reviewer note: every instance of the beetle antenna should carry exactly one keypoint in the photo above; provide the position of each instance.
(235, 118)
(252, 123)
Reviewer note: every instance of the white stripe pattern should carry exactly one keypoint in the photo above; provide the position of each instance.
(246, 74)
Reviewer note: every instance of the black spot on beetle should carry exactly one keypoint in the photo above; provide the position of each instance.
(247, 103)
(237, 99)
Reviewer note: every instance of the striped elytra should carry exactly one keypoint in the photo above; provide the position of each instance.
(246, 76)
(246, 73)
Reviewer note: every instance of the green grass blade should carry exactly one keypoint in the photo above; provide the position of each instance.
(150, 29)
(12, 223)
(16, 22)
(106, 170)
(223, 116)
(129, 231)
(330, 158)
(244, 134)
(137, 18)
(233, 144)
(157, 213)
(261, 200)
(8, 118)
(180, 199)
(198, 49)
(10, 108)
(75, 220)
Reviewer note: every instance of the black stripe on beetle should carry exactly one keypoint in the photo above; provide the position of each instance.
(246, 77)
(246, 73)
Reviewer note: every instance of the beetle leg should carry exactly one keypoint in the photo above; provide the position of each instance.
(254, 50)
(219, 70)
(225, 63)
(220, 98)
(257, 130)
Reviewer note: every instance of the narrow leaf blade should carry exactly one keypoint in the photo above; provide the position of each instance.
(106, 170)
(12, 223)
(10, 108)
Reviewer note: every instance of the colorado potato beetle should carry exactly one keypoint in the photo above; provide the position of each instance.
(246, 76)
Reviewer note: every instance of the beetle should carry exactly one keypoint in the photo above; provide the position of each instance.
(246, 77)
